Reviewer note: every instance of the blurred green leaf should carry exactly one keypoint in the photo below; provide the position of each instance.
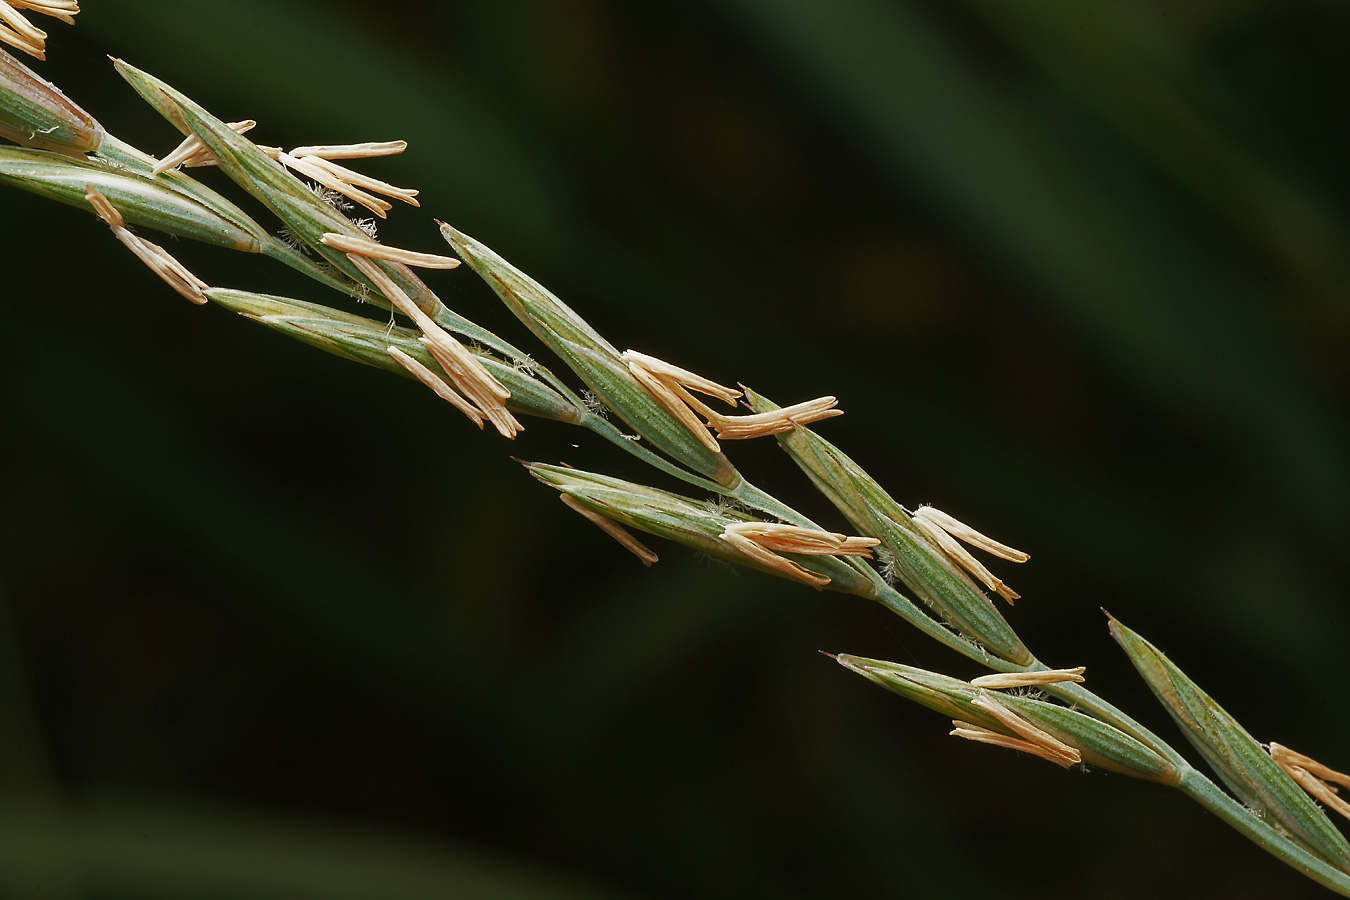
(1100, 243)
(121, 847)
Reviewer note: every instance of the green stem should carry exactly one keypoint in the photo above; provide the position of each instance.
(752, 496)
(1260, 832)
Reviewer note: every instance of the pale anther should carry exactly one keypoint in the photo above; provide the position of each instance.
(1318, 789)
(773, 561)
(1026, 730)
(465, 370)
(670, 385)
(192, 152)
(315, 163)
(763, 541)
(675, 401)
(613, 529)
(1029, 679)
(732, 428)
(350, 177)
(65, 10)
(1283, 755)
(160, 261)
(21, 26)
(329, 180)
(796, 539)
(436, 383)
(18, 32)
(106, 211)
(683, 377)
(978, 733)
(1313, 776)
(477, 383)
(375, 250)
(959, 529)
(944, 530)
(352, 151)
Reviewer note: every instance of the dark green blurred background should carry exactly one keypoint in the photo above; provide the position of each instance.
(278, 626)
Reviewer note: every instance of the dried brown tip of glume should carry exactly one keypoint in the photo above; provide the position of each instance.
(192, 153)
(437, 384)
(468, 374)
(763, 541)
(375, 250)
(174, 273)
(1313, 777)
(944, 530)
(1029, 679)
(614, 530)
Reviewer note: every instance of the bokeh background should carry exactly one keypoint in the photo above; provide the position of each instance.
(274, 625)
